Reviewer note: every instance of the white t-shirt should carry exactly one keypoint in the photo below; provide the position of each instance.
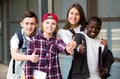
(92, 56)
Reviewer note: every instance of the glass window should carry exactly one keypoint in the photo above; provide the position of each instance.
(17, 7)
(111, 31)
(108, 8)
(0, 34)
(14, 27)
(33, 6)
(60, 7)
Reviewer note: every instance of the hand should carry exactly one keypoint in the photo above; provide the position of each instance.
(102, 73)
(104, 42)
(34, 58)
(70, 49)
(72, 44)
(82, 47)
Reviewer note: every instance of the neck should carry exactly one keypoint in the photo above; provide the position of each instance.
(74, 26)
(46, 35)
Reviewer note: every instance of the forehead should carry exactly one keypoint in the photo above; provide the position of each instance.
(93, 22)
(74, 10)
(31, 19)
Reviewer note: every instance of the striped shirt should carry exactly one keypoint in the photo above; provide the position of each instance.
(48, 56)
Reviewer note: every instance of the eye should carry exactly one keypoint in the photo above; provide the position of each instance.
(71, 13)
(53, 23)
(32, 23)
(27, 23)
(77, 14)
(47, 22)
(98, 28)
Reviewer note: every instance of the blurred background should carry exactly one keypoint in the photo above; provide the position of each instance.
(12, 10)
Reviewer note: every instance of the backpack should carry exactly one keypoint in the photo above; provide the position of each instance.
(20, 37)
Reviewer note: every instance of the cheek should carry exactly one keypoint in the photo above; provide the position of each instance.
(69, 16)
(79, 18)
(53, 29)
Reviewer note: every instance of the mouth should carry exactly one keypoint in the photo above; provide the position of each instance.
(93, 34)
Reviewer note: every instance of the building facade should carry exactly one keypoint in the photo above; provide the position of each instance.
(108, 10)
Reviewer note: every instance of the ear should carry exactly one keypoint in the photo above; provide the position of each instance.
(87, 26)
(36, 25)
(21, 24)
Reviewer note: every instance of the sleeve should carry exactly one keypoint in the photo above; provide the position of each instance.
(63, 36)
(28, 70)
(61, 46)
(14, 41)
(29, 66)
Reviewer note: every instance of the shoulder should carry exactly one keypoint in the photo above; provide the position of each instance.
(14, 37)
(37, 37)
(14, 41)
(61, 30)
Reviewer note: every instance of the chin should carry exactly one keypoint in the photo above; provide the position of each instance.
(92, 36)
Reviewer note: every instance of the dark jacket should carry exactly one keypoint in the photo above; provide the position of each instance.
(79, 69)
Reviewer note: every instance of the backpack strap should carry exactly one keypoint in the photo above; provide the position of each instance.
(20, 37)
(73, 32)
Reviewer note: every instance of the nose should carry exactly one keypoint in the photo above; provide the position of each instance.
(94, 29)
(74, 15)
(29, 25)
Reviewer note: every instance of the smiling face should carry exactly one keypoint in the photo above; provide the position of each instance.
(49, 26)
(93, 29)
(29, 25)
(74, 16)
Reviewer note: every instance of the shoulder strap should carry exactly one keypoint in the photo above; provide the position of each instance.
(73, 32)
(20, 37)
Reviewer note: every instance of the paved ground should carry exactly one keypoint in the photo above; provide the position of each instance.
(115, 71)
(3, 71)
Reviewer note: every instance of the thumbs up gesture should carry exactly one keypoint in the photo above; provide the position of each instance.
(34, 58)
(82, 47)
(70, 47)
(73, 44)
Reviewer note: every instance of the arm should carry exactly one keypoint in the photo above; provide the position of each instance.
(62, 34)
(18, 56)
(29, 66)
(22, 57)
(63, 48)
(14, 42)
(70, 48)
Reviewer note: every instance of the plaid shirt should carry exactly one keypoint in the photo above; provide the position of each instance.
(48, 56)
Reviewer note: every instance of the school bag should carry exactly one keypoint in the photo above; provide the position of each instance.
(20, 37)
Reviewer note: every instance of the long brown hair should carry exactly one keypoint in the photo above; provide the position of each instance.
(82, 20)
